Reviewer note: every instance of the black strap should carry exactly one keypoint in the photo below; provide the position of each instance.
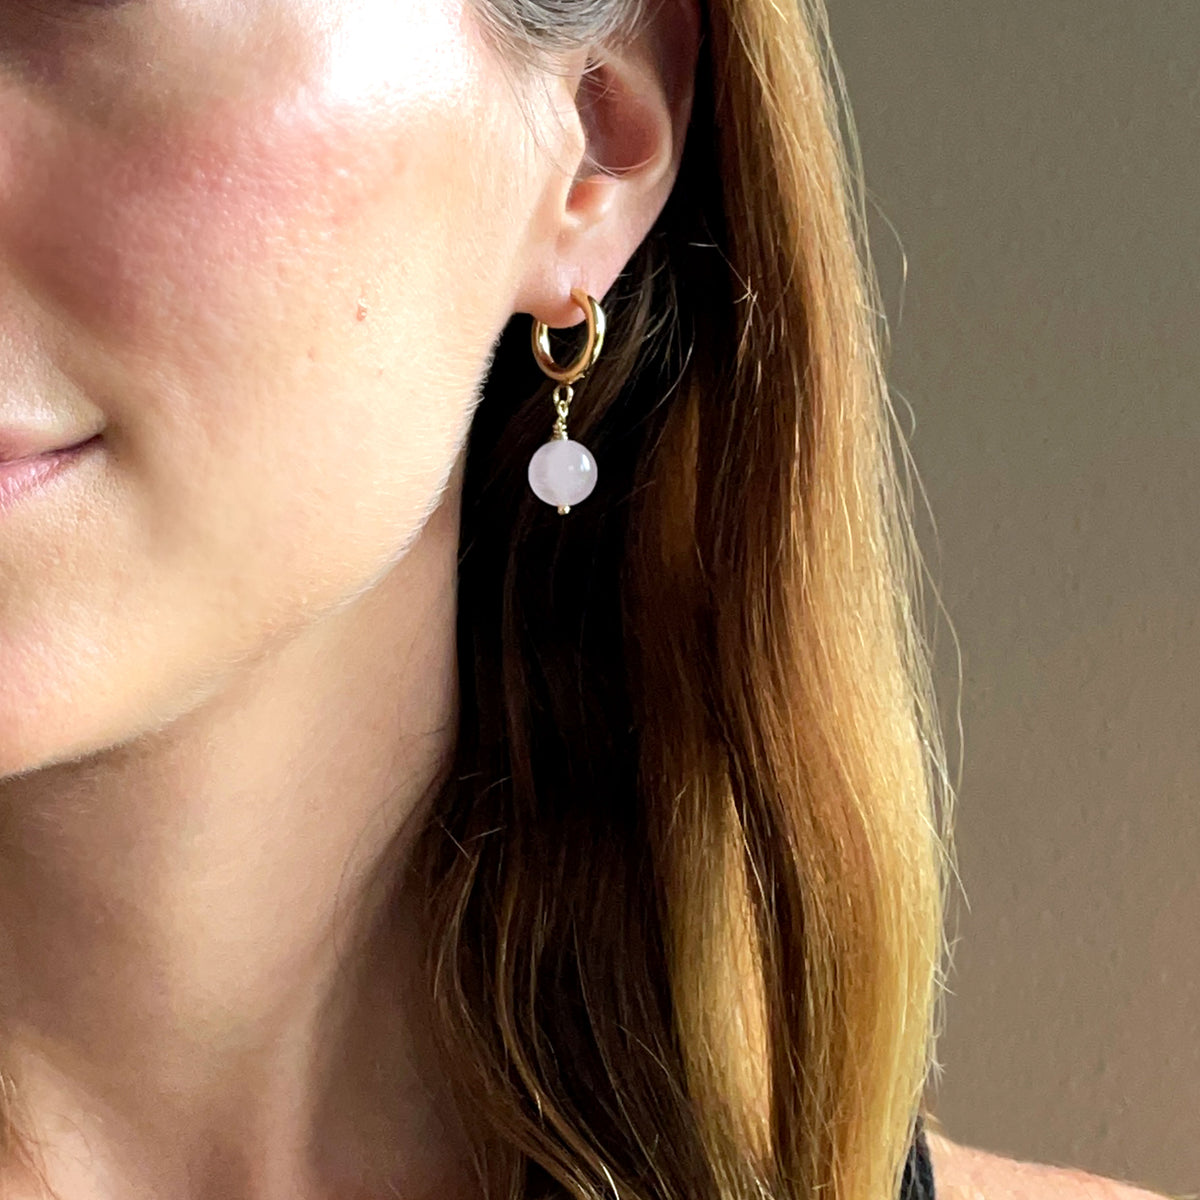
(917, 1183)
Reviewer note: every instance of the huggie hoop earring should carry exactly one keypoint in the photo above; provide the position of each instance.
(586, 358)
(563, 472)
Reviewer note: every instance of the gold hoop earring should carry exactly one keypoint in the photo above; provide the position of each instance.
(562, 472)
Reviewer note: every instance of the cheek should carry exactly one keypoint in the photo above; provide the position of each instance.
(211, 281)
(214, 258)
(141, 243)
(195, 267)
(184, 200)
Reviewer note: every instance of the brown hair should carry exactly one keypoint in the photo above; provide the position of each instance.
(687, 877)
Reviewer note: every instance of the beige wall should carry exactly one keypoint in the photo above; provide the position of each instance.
(1041, 165)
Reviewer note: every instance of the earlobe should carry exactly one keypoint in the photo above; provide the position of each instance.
(633, 101)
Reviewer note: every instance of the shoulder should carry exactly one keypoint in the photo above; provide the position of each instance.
(964, 1173)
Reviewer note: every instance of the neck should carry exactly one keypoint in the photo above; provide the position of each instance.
(198, 944)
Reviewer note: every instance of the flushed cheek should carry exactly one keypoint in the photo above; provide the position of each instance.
(191, 242)
(131, 240)
(197, 218)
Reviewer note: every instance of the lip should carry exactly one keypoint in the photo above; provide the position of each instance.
(17, 444)
(20, 476)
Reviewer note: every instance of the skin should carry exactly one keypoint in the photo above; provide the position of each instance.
(966, 1173)
(264, 248)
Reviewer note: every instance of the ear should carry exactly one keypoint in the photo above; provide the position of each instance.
(627, 118)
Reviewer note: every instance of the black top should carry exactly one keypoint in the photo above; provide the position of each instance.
(917, 1183)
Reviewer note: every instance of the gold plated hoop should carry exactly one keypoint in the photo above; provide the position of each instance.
(586, 357)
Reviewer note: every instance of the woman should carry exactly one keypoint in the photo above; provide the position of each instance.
(373, 827)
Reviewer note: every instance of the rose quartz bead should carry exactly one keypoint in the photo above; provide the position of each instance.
(562, 472)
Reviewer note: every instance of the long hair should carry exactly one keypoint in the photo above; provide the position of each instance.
(686, 878)
(687, 872)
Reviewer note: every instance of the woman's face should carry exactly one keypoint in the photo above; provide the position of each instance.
(264, 246)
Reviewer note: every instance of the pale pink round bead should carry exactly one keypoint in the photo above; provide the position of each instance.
(562, 472)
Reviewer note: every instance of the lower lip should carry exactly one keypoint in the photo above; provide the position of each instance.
(25, 475)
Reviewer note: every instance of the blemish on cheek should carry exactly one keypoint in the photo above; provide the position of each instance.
(361, 310)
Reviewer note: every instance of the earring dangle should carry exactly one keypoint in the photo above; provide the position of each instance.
(562, 472)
